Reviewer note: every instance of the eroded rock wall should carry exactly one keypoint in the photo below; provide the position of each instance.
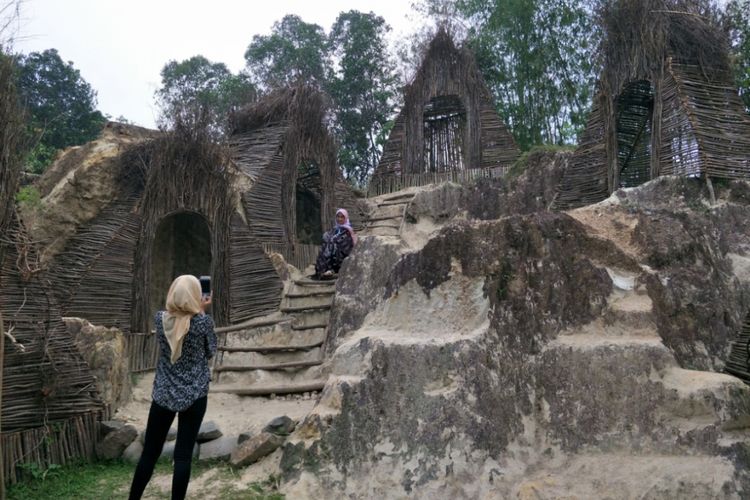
(538, 355)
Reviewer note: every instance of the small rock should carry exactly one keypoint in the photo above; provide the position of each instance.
(255, 448)
(107, 426)
(172, 434)
(281, 426)
(168, 450)
(133, 452)
(220, 448)
(208, 432)
(115, 442)
(244, 437)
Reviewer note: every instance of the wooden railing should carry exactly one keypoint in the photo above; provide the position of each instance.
(300, 257)
(143, 351)
(391, 183)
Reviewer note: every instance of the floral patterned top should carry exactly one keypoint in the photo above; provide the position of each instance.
(177, 386)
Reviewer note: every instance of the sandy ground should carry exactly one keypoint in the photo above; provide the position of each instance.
(233, 414)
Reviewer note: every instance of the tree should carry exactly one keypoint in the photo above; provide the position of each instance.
(295, 50)
(537, 56)
(738, 16)
(197, 85)
(363, 89)
(61, 105)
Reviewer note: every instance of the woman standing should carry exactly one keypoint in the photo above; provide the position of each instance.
(186, 342)
(337, 245)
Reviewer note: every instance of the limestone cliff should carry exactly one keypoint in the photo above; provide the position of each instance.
(499, 350)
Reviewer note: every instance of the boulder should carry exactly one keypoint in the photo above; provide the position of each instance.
(281, 426)
(538, 355)
(104, 349)
(114, 443)
(218, 449)
(133, 452)
(208, 432)
(107, 426)
(255, 448)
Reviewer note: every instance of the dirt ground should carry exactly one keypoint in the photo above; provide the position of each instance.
(233, 415)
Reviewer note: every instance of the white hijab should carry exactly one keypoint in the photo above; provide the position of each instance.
(183, 302)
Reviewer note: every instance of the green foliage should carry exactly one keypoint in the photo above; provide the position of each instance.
(519, 166)
(198, 85)
(29, 196)
(537, 58)
(294, 51)
(738, 17)
(61, 105)
(363, 90)
(40, 157)
(111, 480)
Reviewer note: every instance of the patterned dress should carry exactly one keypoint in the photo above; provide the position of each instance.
(177, 386)
(337, 245)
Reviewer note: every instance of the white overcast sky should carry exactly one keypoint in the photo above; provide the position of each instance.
(120, 46)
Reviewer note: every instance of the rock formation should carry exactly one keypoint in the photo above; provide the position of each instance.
(498, 350)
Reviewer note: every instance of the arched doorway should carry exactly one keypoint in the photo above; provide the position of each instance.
(444, 128)
(308, 195)
(182, 245)
(634, 124)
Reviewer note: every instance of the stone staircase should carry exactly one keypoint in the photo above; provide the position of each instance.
(387, 215)
(281, 353)
(692, 401)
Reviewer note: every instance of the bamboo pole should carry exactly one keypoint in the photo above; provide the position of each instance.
(2, 451)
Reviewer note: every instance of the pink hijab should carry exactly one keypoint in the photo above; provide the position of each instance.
(346, 225)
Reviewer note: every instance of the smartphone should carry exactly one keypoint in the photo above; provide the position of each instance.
(205, 285)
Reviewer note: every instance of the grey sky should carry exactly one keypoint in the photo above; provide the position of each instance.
(120, 46)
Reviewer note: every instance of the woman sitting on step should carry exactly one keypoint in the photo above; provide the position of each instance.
(186, 342)
(337, 245)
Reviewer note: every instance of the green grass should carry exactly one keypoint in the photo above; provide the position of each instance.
(111, 480)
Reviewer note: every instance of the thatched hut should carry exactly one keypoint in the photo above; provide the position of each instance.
(49, 405)
(666, 103)
(448, 125)
(185, 204)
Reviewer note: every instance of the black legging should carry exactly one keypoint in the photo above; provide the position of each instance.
(159, 421)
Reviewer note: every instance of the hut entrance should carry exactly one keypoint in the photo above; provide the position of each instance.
(182, 245)
(444, 124)
(308, 195)
(634, 114)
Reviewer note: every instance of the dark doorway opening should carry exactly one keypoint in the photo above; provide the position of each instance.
(634, 124)
(308, 212)
(444, 124)
(182, 245)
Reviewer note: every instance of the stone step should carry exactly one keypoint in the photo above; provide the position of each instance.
(313, 292)
(269, 367)
(308, 306)
(397, 196)
(311, 283)
(605, 327)
(391, 211)
(399, 203)
(311, 319)
(264, 321)
(282, 334)
(384, 220)
(394, 224)
(268, 358)
(265, 349)
(383, 231)
(253, 378)
(272, 388)
(631, 309)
